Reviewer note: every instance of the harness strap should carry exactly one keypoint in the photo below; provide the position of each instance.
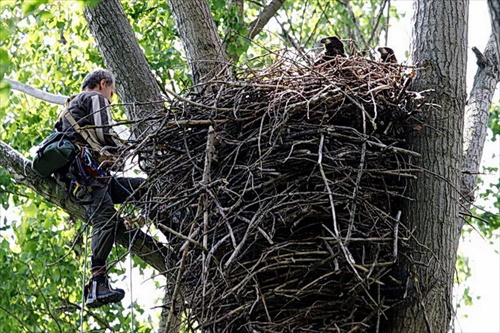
(89, 136)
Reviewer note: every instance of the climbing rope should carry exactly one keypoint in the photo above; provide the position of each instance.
(132, 319)
(84, 275)
(130, 282)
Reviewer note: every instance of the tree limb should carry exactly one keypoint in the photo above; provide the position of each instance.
(37, 93)
(205, 53)
(144, 246)
(476, 116)
(264, 16)
(494, 8)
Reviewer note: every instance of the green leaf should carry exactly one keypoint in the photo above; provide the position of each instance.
(47, 224)
(91, 3)
(30, 210)
(4, 94)
(45, 15)
(4, 32)
(32, 5)
(5, 62)
(494, 122)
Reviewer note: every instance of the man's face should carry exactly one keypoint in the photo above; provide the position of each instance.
(107, 90)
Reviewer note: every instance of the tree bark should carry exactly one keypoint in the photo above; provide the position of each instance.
(203, 47)
(494, 7)
(439, 44)
(476, 117)
(143, 246)
(136, 84)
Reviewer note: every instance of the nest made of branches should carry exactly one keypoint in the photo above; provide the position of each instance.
(279, 194)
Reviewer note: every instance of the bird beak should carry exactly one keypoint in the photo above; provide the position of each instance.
(325, 41)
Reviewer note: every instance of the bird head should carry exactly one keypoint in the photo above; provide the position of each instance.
(385, 50)
(329, 40)
(387, 54)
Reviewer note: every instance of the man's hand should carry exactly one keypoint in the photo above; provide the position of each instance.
(134, 222)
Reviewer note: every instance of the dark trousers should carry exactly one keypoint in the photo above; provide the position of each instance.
(103, 216)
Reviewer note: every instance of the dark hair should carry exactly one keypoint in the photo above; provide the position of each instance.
(93, 78)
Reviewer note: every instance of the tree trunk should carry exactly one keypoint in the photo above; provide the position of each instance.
(203, 47)
(123, 56)
(439, 44)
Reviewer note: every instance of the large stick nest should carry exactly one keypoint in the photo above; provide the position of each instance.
(280, 195)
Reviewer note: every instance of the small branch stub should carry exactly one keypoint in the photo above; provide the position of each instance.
(482, 62)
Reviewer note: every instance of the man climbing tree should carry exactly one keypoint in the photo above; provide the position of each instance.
(87, 123)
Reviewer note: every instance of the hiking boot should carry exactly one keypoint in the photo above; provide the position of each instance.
(98, 292)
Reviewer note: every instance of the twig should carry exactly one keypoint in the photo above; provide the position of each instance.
(336, 233)
(395, 236)
(204, 201)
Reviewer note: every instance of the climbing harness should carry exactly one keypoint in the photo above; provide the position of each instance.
(89, 169)
(81, 174)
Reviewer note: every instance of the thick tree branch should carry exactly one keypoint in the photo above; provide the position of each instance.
(264, 16)
(205, 53)
(494, 7)
(476, 116)
(144, 246)
(440, 44)
(37, 93)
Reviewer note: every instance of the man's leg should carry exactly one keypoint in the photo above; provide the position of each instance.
(123, 188)
(102, 214)
(131, 190)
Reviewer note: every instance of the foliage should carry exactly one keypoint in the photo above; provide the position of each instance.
(494, 121)
(486, 214)
(48, 47)
(489, 214)
(154, 26)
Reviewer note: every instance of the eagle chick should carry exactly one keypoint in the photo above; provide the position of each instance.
(387, 54)
(333, 47)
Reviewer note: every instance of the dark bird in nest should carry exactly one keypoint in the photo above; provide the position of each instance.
(387, 54)
(333, 48)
